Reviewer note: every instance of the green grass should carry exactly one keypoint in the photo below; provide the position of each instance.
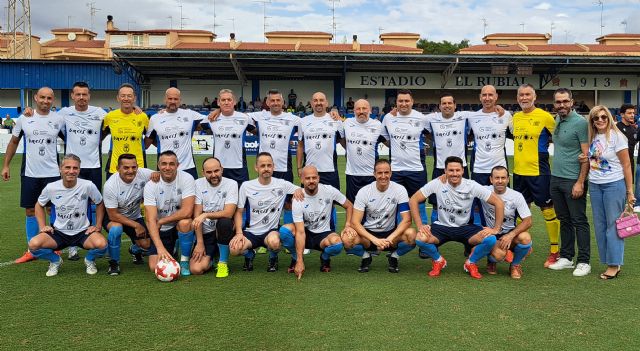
(339, 310)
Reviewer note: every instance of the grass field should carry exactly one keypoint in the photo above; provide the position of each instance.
(339, 310)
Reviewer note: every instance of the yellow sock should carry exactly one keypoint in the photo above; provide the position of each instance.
(553, 228)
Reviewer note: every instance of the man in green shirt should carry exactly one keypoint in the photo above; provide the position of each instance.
(568, 184)
(8, 123)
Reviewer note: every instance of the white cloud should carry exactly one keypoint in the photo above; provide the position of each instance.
(543, 6)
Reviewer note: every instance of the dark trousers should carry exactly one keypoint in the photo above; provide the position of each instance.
(574, 226)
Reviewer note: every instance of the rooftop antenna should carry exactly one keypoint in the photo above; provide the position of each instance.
(170, 21)
(182, 18)
(215, 25)
(92, 12)
(624, 24)
(233, 24)
(129, 23)
(566, 36)
(334, 25)
(522, 25)
(69, 21)
(484, 27)
(264, 17)
(553, 26)
(601, 4)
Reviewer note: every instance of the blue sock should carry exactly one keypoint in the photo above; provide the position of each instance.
(95, 253)
(115, 233)
(274, 254)
(46, 254)
(430, 249)
(491, 259)
(331, 250)
(250, 254)
(357, 250)
(476, 218)
(423, 212)
(334, 218)
(52, 215)
(186, 244)
(224, 253)
(434, 215)
(135, 248)
(288, 241)
(519, 252)
(31, 225)
(92, 209)
(287, 216)
(403, 248)
(483, 249)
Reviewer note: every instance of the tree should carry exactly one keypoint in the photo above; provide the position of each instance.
(441, 47)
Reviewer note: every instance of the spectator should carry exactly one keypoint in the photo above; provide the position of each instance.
(214, 104)
(300, 107)
(350, 104)
(257, 105)
(8, 123)
(307, 108)
(206, 102)
(628, 127)
(291, 109)
(292, 98)
(242, 106)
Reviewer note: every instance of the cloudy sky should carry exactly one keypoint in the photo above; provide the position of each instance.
(453, 20)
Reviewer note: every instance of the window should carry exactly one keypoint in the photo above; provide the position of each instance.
(118, 40)
(136, 40)
(158, 40)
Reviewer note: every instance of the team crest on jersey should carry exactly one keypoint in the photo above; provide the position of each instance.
(83, 141)
(69, 226)
(318, 145)
(536, 123)
(403, 146)
(227, 144)
(272, 144)
(487, 146)
(176, 144)
(452, 219)
(125, 148)
(265, 220)
(179, 191)
(41, 151)
(359, 151)
(224, 194)
(61, 208)
(449, 143)
(264, 203)
(327, 201)
(139, 124)
(520, 146)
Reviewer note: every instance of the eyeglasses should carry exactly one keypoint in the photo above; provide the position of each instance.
(601, 117)
(563, 102)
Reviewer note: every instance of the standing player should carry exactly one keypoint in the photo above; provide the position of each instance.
(455, 199)
(173, 130)
(263, 198)
(168, 207)
(40, 158)
(311, 218)
(123, 195)
(70, 196)
(532, 129)
(126, 129)
(216, 199)
(362, 135)
(374, 220)
(513, 236)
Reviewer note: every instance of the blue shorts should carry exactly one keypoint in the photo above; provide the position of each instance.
(481, 178)
(288, 175)
(240, 175)
(410, 180)
(130, 231)
(31, 188)
(330, 178)
(355, 183)
(379, 235)
(63, 240)
(459, 234)
(210, 243)
(92, 174)
(437, 172)
(312, 240)
(258, 240)
(168, 238)
(193, 171)
(535, 189)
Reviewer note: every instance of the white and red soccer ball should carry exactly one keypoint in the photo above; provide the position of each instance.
(167, 270)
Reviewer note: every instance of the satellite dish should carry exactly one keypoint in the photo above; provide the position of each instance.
(71, 36)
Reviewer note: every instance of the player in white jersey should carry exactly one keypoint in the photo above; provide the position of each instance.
(513, 236)
(455, 200)
(39, 160)
(71, 227)
(362, 135)
(374, 220)
(260, 201)
(123, 195)
(311, 223)
(173, 129)
(216, 201)
(228, 137)
(318, 136)
(168, 207)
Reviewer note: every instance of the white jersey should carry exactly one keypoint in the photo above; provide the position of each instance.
(83, 137)
(263, 203)
(71, 204)
(167, 197)
(173, 131)
(40, 159)
(514, 206)
(126, 197)
(228, 139)
(449, 136)
(213, 199)
(315, 210)
(362, 145)
(380, 208)
(275, 134)
(320, 139)
(455, 204)
(489, 135)
(405, 145)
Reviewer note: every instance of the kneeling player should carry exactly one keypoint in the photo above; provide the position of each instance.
(264, 198)
(455, 208)
(311, 223)
(374, 220)
(216, 199)
(70, 196)
(512, 237)
(123, 194)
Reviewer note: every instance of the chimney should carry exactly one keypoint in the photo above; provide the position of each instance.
(110, 23)
(355, 46)
(233, 44)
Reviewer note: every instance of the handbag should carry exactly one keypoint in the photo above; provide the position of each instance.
(628, 223)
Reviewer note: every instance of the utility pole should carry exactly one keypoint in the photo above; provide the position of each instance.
(19, 21)
(92, 12)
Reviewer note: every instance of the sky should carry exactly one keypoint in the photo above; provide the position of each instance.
(453, 20)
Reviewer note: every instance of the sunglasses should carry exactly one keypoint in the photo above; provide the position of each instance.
(601, 117)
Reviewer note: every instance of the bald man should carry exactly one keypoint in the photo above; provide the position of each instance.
(40, 160)
(362, 135)
(173, 128)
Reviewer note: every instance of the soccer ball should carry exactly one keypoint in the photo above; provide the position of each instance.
(167, 270)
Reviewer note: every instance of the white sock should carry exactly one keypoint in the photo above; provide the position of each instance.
(366, 254)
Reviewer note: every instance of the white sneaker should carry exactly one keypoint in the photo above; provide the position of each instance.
(561, 263)
(91, 267)
(54, 267)
(306, 251)
(582, 269)
(73, 253)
